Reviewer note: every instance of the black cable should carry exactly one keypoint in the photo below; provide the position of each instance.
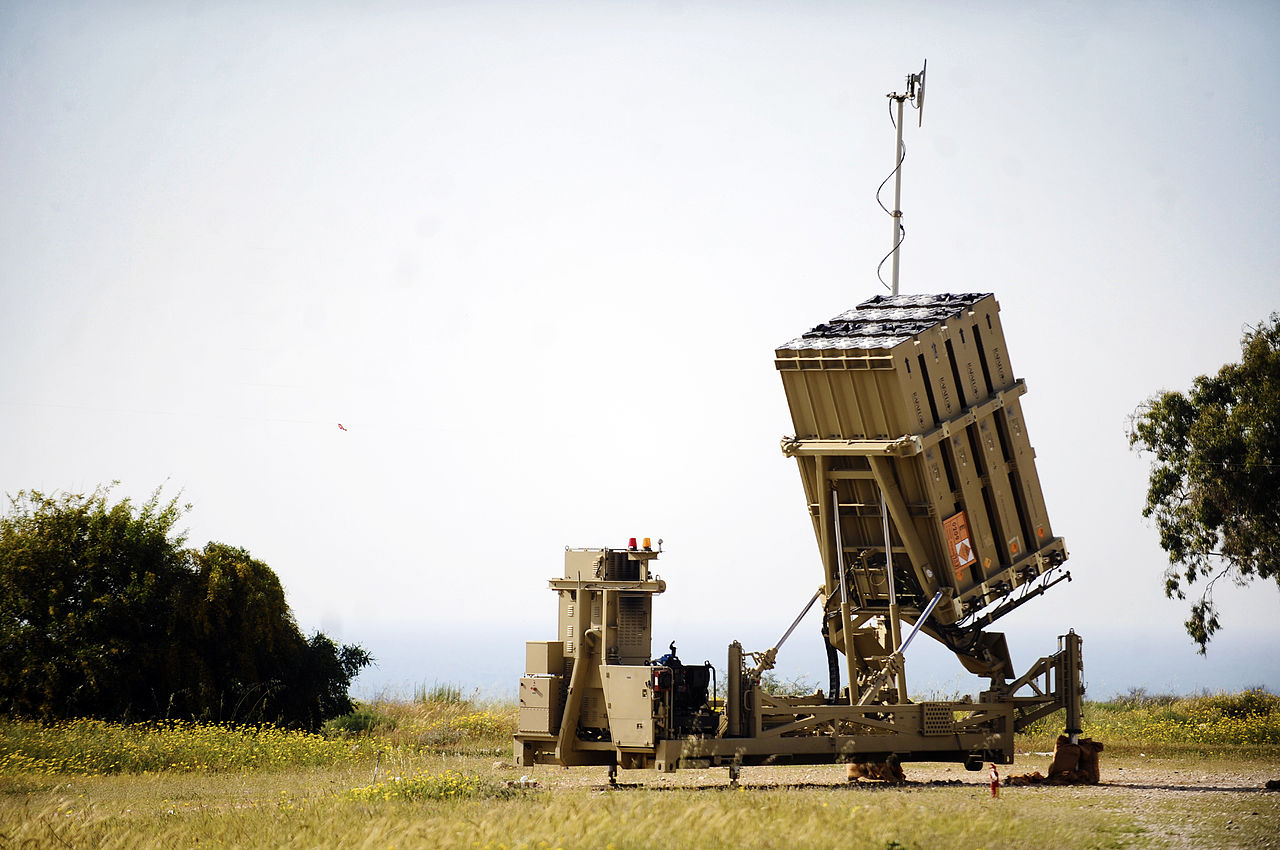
(902, 231)
(902, 156)
(833, 665)
(902, 237)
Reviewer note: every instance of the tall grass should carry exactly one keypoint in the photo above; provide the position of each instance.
(440, 725)
(423, 773)
(446, 692)
(446, 785)
(670, 820)
(1244, 723)
(97, 747)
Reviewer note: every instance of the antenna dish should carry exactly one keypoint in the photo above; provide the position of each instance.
(919, 99)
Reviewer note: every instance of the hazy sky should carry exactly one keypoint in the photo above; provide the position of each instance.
(536, 258)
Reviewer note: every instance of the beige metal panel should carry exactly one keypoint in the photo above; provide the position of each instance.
(880, 403)
(933, 359)
(808, 358)
(967, 472)
(985, 518)
(841, 413)
(939, 370)
(828, 407)
(569, 633)
(941, 494)
(582, 564)
(1003, 501)
(990, 335)
(949, 369)
(1024, 459)
(629, 702)
(539, 704)
(630, 620)
(544, 657)
(919, 415)
(594, 715)
(966, 356)
(843, 405)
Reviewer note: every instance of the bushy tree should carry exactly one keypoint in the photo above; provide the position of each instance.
(241, 629)
(103, 613)
(316, 685)
(88, 592)
(253, 661)
(1214, 488)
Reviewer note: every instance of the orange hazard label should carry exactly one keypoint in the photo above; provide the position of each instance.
(959, 544)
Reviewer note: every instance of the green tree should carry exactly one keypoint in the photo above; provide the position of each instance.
(242, 630)
(316, 684)
(254, 663)
(1214, 487)
(103, 613)
(87, 592)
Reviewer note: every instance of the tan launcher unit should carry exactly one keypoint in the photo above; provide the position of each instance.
(922, 489)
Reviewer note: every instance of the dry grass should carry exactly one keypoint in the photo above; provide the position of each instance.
(434, 774)
(445, 725)
(782, 818)
(1243, 725)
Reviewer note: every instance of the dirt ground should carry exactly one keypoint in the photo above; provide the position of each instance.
(1160, 777)
(1179, 805)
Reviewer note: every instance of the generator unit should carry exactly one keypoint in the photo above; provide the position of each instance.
(595, 696)
(920, 483)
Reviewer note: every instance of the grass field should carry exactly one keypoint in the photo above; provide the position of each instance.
(435, 772)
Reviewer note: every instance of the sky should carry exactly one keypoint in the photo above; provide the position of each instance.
(535, 260)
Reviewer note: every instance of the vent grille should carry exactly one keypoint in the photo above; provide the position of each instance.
(619, 567)
(936, 719)
(633, 626)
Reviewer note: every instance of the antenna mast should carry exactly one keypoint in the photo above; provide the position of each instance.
(914, 93)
